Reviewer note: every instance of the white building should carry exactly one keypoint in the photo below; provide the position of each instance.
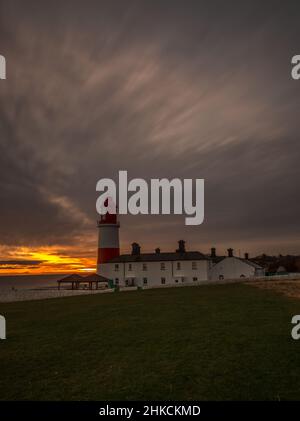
(154, 269)
(231, 267)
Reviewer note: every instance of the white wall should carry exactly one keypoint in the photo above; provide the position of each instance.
(231, 268)
(154, 273)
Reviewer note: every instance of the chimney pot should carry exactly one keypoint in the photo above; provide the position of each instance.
(157, 250)
(213, 252)
(230, 252)
(136, 249)
(181, 246)
(247, 256)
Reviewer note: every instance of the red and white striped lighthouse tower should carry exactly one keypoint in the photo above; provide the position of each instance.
(108, 242)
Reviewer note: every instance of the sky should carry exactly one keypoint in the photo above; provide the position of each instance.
(187, 89)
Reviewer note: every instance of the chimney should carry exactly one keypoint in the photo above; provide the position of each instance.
(213, 252)
(230, 252)
(181, 246)
(157, 250)
(247, 256)
(136, 249)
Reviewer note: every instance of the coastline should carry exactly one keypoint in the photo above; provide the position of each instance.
(16, 288)
(10, 296)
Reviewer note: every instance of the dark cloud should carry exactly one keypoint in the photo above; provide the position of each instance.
(20, 262)
(162, 89)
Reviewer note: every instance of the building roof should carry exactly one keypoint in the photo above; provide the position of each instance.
(94, 277)
(255, 265)
(158, 257)
(71, 278)
(218, 259)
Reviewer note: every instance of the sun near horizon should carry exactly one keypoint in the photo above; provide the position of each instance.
(45, 261)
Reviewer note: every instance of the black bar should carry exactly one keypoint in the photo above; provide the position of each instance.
(148, 409)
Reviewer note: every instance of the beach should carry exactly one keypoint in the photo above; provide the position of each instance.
(37, 287)
(42, 294)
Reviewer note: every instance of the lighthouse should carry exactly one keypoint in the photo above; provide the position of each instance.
(108, 242)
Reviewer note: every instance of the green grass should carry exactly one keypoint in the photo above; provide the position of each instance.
(207, 342)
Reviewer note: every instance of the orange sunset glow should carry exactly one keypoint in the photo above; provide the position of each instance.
(46, 260)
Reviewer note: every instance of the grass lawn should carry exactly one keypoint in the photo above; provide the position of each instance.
(207, 342)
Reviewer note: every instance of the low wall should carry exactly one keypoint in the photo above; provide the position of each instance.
(291, 277)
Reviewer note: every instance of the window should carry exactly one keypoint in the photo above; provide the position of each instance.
(117, 281)
(144, 266)
(195, 279)
(126, 282)
(145, 281)
(130, 266)
(176, 280)
(162, 266)
(194, 265)
(178, 266)
(116, 267)
(221, 277)
(163, 281)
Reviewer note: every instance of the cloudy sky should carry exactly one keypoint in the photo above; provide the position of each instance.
(189, 89)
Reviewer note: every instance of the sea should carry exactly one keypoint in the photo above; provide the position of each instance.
(34, 282)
